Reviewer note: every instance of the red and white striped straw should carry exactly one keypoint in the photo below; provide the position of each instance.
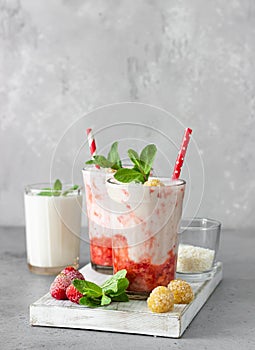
(181, 154)
(92, 142)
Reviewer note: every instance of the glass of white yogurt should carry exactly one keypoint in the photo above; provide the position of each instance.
(53, 227)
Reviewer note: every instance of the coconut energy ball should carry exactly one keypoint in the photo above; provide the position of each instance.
(160, 300)
(182, 291)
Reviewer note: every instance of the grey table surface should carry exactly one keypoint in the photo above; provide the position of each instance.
(227, 321)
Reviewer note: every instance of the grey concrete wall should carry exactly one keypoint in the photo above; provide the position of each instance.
(194, 59)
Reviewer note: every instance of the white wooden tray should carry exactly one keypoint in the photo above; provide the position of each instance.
(130, 317)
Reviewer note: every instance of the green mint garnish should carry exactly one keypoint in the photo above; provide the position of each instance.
(73, 188)
(105, 300)
(101, 161)
(129, 175)
(57, 187)
(89, 289)
(147, 157)
(114, 289)
(89, 302)
(112, 161)
(111, 282)
(120, 297)
(47, 191)
(56, 190)
(142, 166)
(114, 157)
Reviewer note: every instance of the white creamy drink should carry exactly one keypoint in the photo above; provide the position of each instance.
(53, 226)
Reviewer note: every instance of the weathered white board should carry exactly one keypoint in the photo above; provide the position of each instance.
(131, 317)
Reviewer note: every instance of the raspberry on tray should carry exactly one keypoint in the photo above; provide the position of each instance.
(73, 294)
(59, 286)
(72, 273)
(61, 283)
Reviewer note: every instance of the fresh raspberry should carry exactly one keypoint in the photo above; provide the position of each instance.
(73, 294)
(59, 286)
(72, 273)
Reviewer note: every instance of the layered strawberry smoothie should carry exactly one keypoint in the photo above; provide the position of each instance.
(99, 218)
(144, 225)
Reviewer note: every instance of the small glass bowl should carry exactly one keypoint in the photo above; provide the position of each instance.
(198, 247)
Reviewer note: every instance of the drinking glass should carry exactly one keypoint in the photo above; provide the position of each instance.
(53, 227)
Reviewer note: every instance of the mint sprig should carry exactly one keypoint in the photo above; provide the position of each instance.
(114, 289)
(56, 190)
(112, 161)
(142, 165)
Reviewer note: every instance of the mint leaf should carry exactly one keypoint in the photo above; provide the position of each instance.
(128, 175)
(119, 274)
(113, 156)
(91, 161)
(120, 297)
(46, 191)
(119, 287)
(102, 162)
(122, 285)
(134, 157)
(116, 284)
(46, 194)
(89, 301)
(87, 288)
(73, 188)
(57, 185)
(147, 157)
(105, 300)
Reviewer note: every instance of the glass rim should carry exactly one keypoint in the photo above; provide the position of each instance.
(93, 168)
(173, 183)
(183, 227)
(42, 186)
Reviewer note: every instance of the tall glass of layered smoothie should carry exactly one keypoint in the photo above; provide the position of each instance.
(99, 218)
(145, 220)
(53, 227)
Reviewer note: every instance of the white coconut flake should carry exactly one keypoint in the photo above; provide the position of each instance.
(194, 259)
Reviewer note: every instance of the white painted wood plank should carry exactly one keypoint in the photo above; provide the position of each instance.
(131, 317)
